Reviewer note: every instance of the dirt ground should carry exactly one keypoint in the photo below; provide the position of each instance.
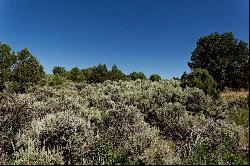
(235, 93)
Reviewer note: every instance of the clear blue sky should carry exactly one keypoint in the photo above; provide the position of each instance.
(153, 36)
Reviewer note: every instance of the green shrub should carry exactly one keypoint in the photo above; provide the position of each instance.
(198, 101)
(243, 117)
(98, 74)
(167, 119)
(155, 77)
(11, 86)
(238, 102)
(104, 154)
(59, 70)
(205, 153)
(115, 74)
(201, 79)
(220, 144)
(33, 156)
(76, 75)
(55, 80)
(137, 75)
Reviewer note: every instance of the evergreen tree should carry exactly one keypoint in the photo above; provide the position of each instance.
(115, 74)
(59, 70)
(7, 61)
(27, 70)
(201, 79)
(98, 74)
(137, 75)
(155, 77)
(226, 59)
(76, 75)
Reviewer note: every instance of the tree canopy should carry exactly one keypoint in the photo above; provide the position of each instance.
(59, 70)
(225, 58)
(27, 69)
(76, 75)
(7, 60)
(20, 69)
(98, 74)
(115, 74)
(222, 55)
(155, 77)
(137, 75)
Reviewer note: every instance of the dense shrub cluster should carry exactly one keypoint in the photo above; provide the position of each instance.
(59, 70)
(137, 75)
(124, 122)
(75, 75)
(200, 78)
(62, 130)
(155, 77)
(20, 70)
(33, 156)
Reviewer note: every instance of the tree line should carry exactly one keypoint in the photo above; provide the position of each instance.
(219, 61)
(100, 73)
(22, 69)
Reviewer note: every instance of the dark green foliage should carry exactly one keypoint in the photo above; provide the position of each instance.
(98, 74)
(87, 73)
(243, 117)
(7, 60)
(176, 78)
(19, 70)
(226, 59)
(155, 77)
(59, 70)
(137, 75)
(76, 75)
(27, 70)
(201, 79)
(55, 80)
(115, 74)
(207, 153)
(104, 153)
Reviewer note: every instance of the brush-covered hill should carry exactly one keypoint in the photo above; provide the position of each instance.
(121, 122)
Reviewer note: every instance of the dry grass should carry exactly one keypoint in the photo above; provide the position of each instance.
(229, 93)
